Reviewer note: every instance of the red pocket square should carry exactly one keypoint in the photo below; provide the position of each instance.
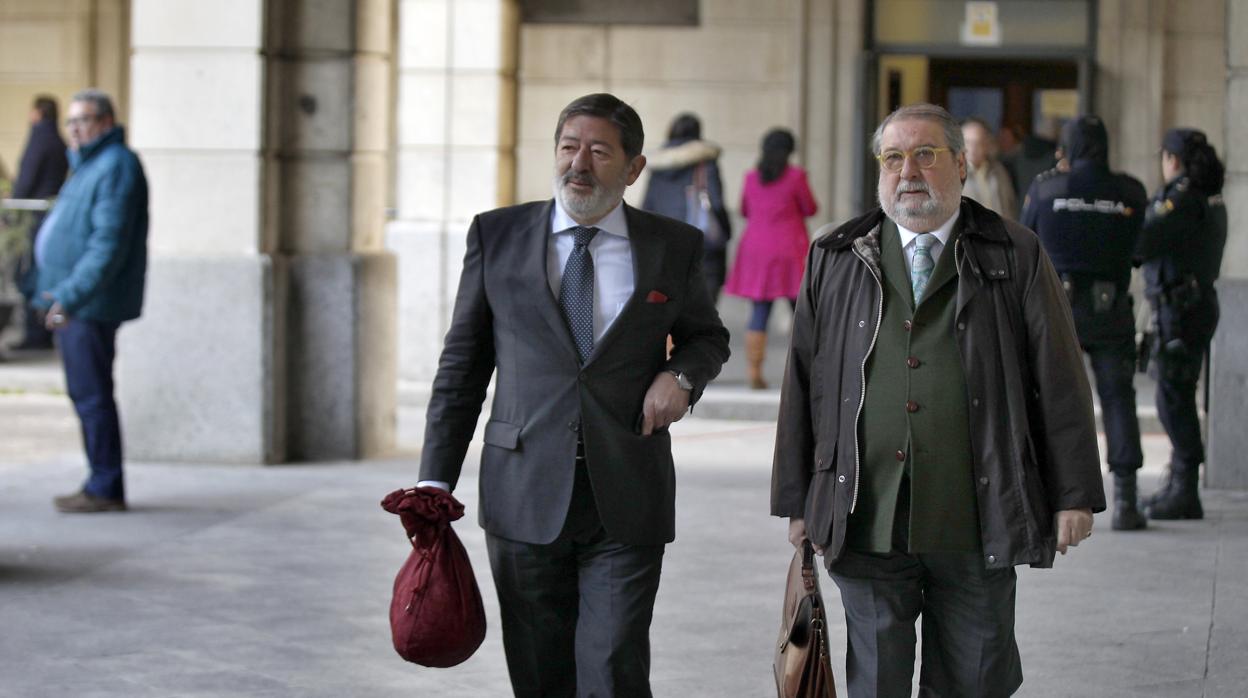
(656, 297)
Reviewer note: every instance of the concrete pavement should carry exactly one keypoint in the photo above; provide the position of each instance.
(275, 581)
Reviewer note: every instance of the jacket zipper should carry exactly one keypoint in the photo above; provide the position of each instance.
(862, 397)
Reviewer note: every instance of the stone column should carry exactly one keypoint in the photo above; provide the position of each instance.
(1226, 466)
(328, 122)
(456, 140)
(268, 326)
(199, 373)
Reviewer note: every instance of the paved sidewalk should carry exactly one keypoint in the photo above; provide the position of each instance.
(275, 581)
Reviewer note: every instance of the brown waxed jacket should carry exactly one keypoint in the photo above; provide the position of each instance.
(1033, 434)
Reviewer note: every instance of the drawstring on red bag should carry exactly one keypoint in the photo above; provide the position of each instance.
(437, 618)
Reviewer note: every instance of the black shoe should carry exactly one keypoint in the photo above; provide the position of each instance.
(1163, 490)
(1126, 516)
(83, 503)
(1181, 500)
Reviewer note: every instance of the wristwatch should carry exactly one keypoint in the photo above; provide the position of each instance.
(681, 379)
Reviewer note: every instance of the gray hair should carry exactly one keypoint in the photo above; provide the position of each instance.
(99, 98)
(925, 112)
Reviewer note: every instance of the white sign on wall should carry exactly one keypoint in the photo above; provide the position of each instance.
(982, 26)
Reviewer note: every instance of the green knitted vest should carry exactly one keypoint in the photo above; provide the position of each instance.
(915, 418)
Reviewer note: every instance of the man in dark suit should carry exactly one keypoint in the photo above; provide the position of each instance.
(571, 302)
(935, 421)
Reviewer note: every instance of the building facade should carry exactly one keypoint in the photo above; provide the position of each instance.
(315, 164)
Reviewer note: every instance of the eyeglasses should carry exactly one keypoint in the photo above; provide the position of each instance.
(80, 120)
(924, 156)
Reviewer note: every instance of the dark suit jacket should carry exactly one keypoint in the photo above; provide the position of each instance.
(506, 318)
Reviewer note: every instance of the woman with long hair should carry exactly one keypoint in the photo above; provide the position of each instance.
(1180, 249)
(775, 201)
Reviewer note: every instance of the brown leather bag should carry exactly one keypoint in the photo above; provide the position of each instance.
(803, 668)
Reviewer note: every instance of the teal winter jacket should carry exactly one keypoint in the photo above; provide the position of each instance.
(93, 254)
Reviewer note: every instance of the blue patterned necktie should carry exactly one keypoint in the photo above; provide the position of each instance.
(921, 264)
(576, 291)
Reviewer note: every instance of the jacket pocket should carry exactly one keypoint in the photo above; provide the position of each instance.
(502, 434)
(825, 457)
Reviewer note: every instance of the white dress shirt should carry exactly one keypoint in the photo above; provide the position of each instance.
(942, 238)
(613, 270)
(613, 262)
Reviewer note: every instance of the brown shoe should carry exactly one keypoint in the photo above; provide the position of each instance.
(83, 503)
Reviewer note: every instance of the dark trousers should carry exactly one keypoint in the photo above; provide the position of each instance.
(714, 268)
(576, 612)
(1113, 366)
(87, 351)
(968, 625)
(1177, 375)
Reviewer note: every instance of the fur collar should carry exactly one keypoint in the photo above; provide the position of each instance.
(683, 155)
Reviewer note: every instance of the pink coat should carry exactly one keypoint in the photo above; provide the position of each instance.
(772, 254)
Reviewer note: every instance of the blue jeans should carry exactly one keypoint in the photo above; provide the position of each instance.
(762, 312)
(87, 351)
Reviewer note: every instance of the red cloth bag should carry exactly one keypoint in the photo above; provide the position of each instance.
(436, 615)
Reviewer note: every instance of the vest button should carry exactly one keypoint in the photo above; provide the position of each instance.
(983, 481)
(912, 406)
(912, 362)
(901, 455)
(906, 325)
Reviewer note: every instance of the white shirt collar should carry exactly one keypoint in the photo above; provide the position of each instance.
(614, 222)
(942, 233)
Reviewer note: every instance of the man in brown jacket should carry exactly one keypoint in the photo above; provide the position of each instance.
(936, 423)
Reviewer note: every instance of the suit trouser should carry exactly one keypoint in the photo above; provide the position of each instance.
(576, 612)
(968, 624)
(87, 352)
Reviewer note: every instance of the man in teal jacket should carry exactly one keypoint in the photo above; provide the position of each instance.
(91, 253)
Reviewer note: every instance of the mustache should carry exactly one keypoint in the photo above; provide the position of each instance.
(913, 186)
(584, 178)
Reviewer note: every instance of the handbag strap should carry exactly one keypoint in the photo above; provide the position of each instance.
(699, 176)
(809, 580)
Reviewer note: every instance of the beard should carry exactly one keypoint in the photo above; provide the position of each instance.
(924, 215)
(594, 205)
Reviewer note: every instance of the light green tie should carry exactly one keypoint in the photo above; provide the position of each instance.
(921, 264)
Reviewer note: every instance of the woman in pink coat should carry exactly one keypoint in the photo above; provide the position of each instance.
(772, 255)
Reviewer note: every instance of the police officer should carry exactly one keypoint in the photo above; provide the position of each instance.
(1088, 219)
(1181, 252)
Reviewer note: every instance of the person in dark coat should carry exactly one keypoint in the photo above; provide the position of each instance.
(686, 161)
(1088, 219)
(1036, 154)
(1181, 250)
(40, 176)
(935, 424)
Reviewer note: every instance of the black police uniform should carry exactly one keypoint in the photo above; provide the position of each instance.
(1181, 249)
(1088, 220)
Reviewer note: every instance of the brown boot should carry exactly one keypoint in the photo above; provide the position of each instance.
(83, 503)
(755, 350)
